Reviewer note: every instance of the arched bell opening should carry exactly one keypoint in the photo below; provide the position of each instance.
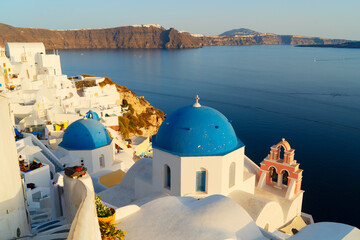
(285, 177)
(273, 175)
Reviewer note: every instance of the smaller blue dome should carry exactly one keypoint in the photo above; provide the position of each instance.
(85, 134)
(196, 131)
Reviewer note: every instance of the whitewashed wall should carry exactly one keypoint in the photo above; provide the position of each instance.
(13, 217)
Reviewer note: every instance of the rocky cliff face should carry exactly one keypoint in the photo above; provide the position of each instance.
(266, 39)
(120, 37)
(142, 118)
(143, 36)
(340, 45)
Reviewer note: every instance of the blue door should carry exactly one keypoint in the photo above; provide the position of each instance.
(200, 181)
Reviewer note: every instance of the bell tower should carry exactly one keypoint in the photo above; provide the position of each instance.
(281, 172)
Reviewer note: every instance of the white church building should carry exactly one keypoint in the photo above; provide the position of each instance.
(86, 142)
(197, 154)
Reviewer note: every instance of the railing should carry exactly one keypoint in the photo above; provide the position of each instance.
(119, 142)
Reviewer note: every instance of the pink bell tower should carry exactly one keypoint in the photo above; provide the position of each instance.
(282, 173)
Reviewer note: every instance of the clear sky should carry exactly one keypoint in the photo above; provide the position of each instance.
(321, 18)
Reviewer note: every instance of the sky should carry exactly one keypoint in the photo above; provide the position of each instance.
(317, 18)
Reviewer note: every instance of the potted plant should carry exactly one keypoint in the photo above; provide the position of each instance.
(110, 232)
(105, 214)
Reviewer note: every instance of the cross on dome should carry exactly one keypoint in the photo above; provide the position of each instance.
(197, 104)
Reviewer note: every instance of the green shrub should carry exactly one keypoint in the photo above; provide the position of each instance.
(101, 209)
(109, 230)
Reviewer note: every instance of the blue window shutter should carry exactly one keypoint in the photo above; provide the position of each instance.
(167, 177)
(200, 181)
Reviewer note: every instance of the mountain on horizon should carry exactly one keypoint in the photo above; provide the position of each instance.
(147, 36)
(136, 36)
(239, 31)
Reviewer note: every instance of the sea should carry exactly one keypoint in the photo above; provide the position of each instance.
(309, 96)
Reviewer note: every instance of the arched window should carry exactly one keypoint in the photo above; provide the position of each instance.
(232, 175)
(201, 181)
(285, 177)
(167, 177)
(273, 174)
(102, 161)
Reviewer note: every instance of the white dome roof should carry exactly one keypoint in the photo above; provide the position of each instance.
(328, 231)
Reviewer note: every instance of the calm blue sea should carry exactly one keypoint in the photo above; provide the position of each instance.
(269, 92)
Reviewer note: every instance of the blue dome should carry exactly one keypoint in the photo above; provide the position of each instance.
(196, 131)
(85, 134)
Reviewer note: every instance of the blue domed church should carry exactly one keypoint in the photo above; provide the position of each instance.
(197, 153)
(86, 142)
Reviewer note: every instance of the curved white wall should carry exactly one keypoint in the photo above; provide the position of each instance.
(80, 209)
(12, 203)
(271, 217)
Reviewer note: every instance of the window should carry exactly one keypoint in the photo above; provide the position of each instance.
(167, 177)
(232, 175)
(102, 161)
(201, 181)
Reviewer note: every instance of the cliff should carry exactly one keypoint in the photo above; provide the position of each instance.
(141, 36)
(340, 45)
(147, 36)
(265, 39)
(142, 118)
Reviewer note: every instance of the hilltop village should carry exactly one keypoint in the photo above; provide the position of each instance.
(66, 139)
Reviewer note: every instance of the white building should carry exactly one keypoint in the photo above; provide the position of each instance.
(14, 218)
(90, 142)
(201, 185)
(19, 51)
(197, 154)
(36, 80)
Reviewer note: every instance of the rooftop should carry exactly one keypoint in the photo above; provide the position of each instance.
(196, 130)
(85, 134)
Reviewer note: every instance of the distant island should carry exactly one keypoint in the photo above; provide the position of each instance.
(237, 32)
(149, 36)
(340, 45)
(245, 36)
